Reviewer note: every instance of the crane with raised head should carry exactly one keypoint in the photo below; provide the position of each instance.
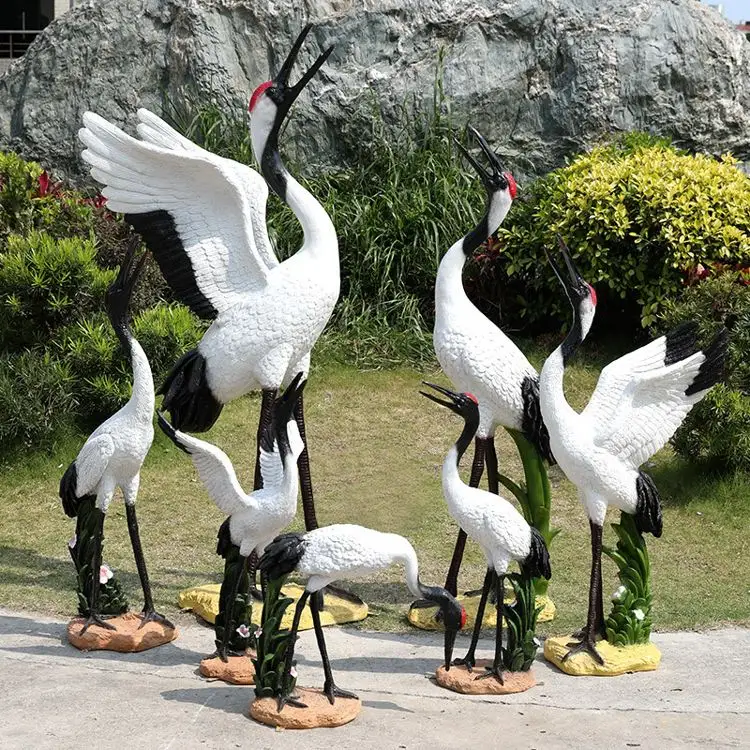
(639, 402)
(475, 354)
(500, 530)
(114, 453)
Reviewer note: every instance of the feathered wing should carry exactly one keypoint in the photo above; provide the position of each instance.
(92, 461)
(653, 400)
(271, 465)
(194, 212)
(214, 468)
(152, 129)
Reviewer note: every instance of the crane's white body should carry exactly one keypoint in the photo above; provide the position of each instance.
(347, 551)
(491, 521)
(638, 404)
(472, 351)
(255, 518)
(114, 453)
(268, 314)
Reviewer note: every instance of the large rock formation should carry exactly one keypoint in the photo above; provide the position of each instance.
(541, 77)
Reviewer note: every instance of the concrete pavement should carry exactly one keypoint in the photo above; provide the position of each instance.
(52, 696)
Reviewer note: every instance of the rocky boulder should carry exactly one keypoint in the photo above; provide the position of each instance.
(542, 78)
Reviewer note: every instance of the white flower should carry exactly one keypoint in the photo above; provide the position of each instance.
(258, 631)
(537, 642)
(618, 594)
(293, 672)
(73, 541)
(243, 631)
(638, 614)
(105, 574)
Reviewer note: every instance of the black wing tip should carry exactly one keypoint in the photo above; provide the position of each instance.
(224, 539)
(681, 342)
(537, 563)
(70, 501)
(283, 554)
(532, 422)
(713, 367)
(648, 515)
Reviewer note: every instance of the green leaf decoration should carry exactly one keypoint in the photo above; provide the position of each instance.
(520, 647)
(112, 600)
(629, 622)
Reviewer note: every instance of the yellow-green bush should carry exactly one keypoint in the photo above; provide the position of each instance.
(637, 215)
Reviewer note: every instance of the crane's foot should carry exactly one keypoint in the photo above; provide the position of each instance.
(291, 700)
(333, 692)
(589, 646)
(151, 615)
(93, 619)
(468, 661)
(493, 671)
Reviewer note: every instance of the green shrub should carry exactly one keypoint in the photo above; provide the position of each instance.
(636, 214)
(717, 429)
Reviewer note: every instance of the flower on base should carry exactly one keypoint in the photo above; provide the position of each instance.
(73, 541)
(243, 631)
(258, 631)
(638, 614)
(105, 574)
(293, 672)
(618, 594)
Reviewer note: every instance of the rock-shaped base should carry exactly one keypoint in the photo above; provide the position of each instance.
(460, 680)
(236, 670)
(424, 617)
(128, 635)
(643, 657)
(319, 712)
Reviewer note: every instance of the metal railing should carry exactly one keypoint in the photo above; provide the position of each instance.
(15, 42)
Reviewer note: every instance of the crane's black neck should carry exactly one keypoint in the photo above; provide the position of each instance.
(574, 338)
(271, 165)
(471, 424)
(478, 235)
(123, 332)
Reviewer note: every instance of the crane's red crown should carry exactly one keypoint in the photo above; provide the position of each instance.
(512, 187)
(257, 94)
(593, 293)
(473, 398)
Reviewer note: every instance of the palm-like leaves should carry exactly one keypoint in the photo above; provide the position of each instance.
(520, 618)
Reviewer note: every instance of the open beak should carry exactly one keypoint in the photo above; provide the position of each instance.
(281, 80)
(450, 639)
(285, 405)
(573, 280)
(488, 178)
(452, 404)
(129, 269)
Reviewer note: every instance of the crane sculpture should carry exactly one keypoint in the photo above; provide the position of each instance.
(113, 455)
(478, 357)
(639, 401)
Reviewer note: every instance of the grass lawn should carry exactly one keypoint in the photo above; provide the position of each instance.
(377, 448)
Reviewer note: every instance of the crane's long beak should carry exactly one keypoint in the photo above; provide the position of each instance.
(286, 403)
(450, 639)
(453, 396)
(281, 80)
(574, 279)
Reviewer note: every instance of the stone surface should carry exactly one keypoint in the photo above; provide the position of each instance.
(424, 617)
(541, 78)
(127, 637)
(236, 670)
(460, 680)
(319, 712)
(618, 660)
(204, 601)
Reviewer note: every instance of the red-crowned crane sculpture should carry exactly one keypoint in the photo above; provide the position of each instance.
(478, 357)
(639, 402)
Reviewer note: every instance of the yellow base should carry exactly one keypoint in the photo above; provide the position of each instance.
(204, 601)
(425, 618)
(643, 657)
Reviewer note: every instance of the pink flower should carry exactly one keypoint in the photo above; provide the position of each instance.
(105, 574)
(73, 541)
(44, 183)
(243, 631)
(258, 631)
(293, 672)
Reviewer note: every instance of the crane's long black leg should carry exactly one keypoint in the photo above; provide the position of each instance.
(477, 468)
(94, 618)
(470, 659)
(589, 633)
(229, 613)
(303, 462)
(266, 415)
(149, 614)
(496, 670)
(493, 483)
(291, 643)
(329, 687)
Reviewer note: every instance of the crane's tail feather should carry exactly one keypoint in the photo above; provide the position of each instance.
(187, 395)
(282, 555)
(712, 369)
(70, 500)
(532, 423)
(648, 508)
(224, 543)
(537, 564)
